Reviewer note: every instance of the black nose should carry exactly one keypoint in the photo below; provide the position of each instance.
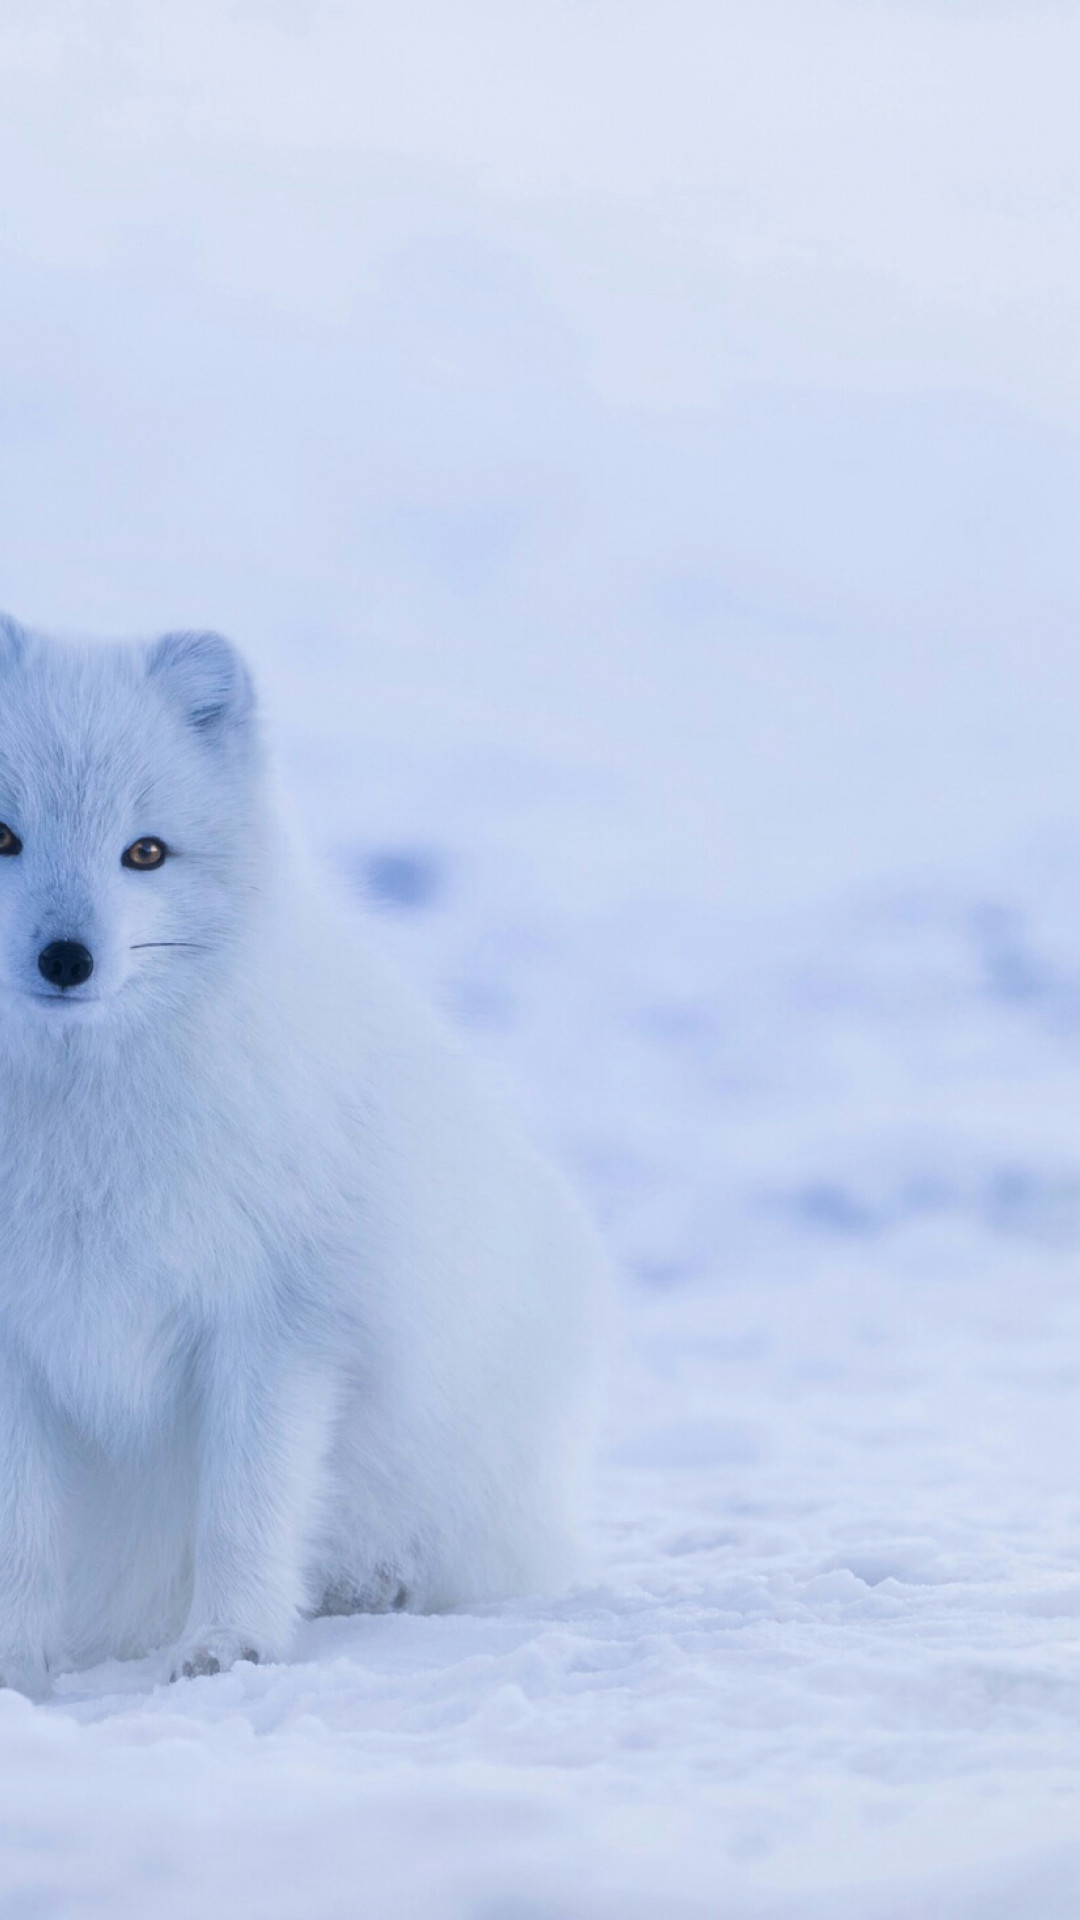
(65, 963)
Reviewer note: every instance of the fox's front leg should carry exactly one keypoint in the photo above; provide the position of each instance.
(31, 1583)
(264, 1427)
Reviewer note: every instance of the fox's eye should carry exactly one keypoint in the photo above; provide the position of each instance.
(9, 842)
(142, 854)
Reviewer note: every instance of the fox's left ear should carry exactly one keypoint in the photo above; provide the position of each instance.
(207, 679)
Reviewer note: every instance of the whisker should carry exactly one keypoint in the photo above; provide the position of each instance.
(138, 945)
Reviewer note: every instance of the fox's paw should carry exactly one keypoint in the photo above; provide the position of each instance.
(213, 1652)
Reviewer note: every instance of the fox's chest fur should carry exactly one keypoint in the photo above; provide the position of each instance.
(133, 1222)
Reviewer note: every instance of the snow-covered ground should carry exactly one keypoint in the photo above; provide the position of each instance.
(637, 444)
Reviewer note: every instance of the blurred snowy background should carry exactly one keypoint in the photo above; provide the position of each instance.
(639, 445)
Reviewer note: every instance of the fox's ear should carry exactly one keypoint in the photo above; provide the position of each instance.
(206, 678)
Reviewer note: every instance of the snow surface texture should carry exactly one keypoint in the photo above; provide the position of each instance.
(638, 445)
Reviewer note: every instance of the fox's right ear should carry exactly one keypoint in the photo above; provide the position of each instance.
(207, 679)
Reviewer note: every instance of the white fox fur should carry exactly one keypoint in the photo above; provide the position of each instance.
(290, 1320)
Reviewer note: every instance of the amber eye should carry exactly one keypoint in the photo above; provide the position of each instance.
(144, 854)
(9, 842)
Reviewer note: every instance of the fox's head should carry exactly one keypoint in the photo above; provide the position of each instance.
(129, 823)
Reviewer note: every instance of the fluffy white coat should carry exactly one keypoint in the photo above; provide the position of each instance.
(290, 1319)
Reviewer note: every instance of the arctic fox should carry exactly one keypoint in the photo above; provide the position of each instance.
(290, 1321)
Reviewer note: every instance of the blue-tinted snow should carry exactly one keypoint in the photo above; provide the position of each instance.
(638, 445)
